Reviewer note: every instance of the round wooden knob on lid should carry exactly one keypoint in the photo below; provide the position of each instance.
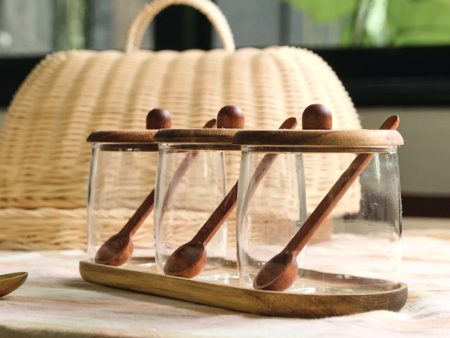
(158, 118)
(230, 117)
(317, 135)
(317, 117)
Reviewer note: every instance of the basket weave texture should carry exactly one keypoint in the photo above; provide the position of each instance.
(44, 159)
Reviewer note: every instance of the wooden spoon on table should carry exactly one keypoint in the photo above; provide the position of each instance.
(119, 247)
(11, 282)
(281, 271)
(190, 258)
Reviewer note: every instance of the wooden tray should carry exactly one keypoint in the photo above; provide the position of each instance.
(242, 299)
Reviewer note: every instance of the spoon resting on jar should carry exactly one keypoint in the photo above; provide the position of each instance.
(190, 258)
(280, 272)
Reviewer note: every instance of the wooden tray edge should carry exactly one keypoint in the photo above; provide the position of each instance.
(240, 299)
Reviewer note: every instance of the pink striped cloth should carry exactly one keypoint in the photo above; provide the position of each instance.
(56, 302)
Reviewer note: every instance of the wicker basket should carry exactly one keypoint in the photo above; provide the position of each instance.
(44, 159)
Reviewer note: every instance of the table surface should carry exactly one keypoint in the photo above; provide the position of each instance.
(56, 302)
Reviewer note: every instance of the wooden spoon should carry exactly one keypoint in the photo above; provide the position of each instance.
(11, 282)
(119, 247)
(190, 258)
(281, 271)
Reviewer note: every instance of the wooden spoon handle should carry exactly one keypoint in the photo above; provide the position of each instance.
(139, 216)
(220, 214)
(333, 197)
(147, 205)
(183, 168)
(157, 118)
(263, 167)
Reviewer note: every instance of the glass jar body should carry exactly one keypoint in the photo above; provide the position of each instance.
(190, 184)
(357, 249)
(121, 177)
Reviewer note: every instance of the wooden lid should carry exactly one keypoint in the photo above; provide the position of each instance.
(185, 136)
(362, 138)
(201, 136)
(123, 136)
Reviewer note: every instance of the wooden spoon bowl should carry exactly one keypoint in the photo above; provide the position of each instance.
(187, 261)
(11, 282)
(116, 251)
(278, 272)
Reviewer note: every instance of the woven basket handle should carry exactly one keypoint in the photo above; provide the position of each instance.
(207, 7)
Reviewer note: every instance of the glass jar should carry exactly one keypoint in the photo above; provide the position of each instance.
(122, 175)
(357, 248)
(190, 184)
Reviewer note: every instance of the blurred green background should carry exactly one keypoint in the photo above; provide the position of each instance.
(37, 27)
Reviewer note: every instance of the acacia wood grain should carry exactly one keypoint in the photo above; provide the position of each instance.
(270, 303)
(335, 139)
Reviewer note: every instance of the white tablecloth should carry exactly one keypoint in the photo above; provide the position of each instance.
(56, 302)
